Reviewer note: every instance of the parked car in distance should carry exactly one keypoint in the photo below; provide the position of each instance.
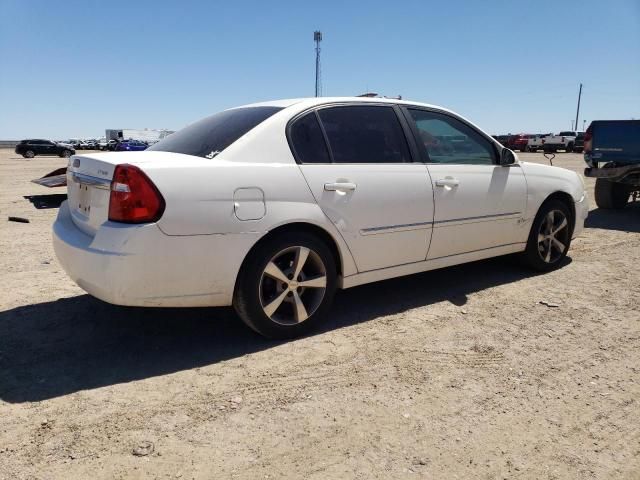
(563, 141)
(503, 140)
(31, 148)
(578, 144)
(612, 153)
(272, 207)
(111, 145)
(130, 146)
(102, 143)
(536, 142)
(519, 141)
(91, 144)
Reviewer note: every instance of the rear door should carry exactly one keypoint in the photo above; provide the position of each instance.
(478, 203)
(366, 181)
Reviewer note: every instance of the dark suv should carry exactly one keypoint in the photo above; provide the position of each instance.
(31, 148)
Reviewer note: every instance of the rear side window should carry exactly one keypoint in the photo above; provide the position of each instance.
(307, 140)
(365, 134)
(210, 136)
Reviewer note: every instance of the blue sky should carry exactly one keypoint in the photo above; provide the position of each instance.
(73, 68)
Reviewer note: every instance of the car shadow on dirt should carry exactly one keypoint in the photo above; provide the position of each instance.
(79, 343)
(626, 219)
(53, 200)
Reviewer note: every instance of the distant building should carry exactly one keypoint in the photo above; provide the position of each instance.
(146, 135)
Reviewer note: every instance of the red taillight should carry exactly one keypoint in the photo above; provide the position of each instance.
(588, 134)
(134, 198)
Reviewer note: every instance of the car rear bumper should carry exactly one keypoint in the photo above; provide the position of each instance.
(139, 265)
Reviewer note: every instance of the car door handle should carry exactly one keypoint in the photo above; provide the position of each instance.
(447, 182)
(338, 186)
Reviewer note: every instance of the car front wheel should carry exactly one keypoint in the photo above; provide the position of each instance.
(550, 236)
(286, 285)
(29, 154)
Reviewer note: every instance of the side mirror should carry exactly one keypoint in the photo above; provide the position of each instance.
(507, 157)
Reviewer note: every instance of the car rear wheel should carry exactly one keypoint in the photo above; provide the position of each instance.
(65, 153)
(286, 285)
(569, 148)
(610, 195)
(550, 236)
(29, 154)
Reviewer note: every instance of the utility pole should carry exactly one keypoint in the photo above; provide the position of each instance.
(578, 109)
(317, 37)
(584, 123)
(571, 124)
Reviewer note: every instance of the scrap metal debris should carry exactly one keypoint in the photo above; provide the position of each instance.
(57, 178)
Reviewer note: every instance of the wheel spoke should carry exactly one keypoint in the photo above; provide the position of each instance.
(271, 308)
(274, 271)
(541, 237)
(563, 224)
(547, 257)
(549, 222)
(558, 244)
(318, 282)
(301, 311)
(301, 258)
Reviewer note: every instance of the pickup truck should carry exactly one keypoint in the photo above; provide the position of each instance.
(563, 141)
(612, 153)
(537, 142)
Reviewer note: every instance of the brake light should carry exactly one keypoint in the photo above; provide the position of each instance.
(588, 135)
(134, 198)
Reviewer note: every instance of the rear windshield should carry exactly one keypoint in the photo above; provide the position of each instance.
(567, 134)
(210, 136)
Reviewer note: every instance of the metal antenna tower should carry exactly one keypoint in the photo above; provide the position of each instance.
(317, 37)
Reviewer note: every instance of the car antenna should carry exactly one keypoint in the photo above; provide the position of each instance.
(550, 157)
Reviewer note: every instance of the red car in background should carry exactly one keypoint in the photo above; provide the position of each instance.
(519, 141)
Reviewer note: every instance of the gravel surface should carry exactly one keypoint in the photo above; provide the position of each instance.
(456, 373)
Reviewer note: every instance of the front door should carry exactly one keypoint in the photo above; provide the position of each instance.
(366, 182)
(478, 203)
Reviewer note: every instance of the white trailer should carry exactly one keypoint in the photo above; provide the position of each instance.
(146, 135)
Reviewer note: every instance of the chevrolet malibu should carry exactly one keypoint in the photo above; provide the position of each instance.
(271, 207)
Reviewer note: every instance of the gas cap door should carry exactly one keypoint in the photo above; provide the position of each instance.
(248, 203)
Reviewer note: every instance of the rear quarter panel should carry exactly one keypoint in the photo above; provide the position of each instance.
(199, 192)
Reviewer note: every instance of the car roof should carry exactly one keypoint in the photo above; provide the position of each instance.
(315, 101)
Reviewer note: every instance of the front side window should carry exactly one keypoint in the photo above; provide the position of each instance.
(448, 140)
(307, 140)
(364, 134)
(210, 136)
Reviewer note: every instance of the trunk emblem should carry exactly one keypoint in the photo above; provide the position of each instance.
(76, 162)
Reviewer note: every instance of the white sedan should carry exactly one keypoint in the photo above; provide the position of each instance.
(271, 207)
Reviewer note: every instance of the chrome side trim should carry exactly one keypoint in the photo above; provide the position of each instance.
(82, 179)
(401, 227)
(480, 217)
(420, 225)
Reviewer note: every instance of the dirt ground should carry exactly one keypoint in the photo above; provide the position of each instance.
(457, 373)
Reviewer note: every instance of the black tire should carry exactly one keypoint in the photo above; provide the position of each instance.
(535, 255)
(29, 154)
(569, 148)
(65, 153)
(524, 149)
(250, 287)
(611, 195)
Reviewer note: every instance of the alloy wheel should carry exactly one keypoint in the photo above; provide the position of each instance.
(553, 236)
(292, 285)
